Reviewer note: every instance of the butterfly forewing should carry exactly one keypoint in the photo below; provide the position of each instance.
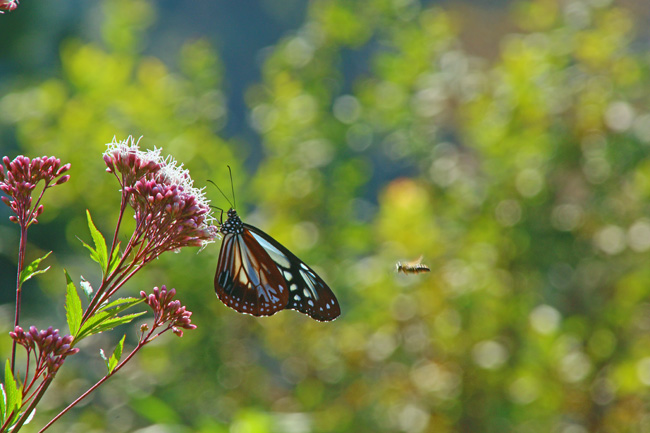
(308, 293)
(247, 279)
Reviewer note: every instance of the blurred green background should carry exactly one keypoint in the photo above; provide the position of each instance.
(506, 142)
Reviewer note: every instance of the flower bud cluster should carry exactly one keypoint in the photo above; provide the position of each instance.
(51, 347)
(168, 311)
(18, 179)
(169, 211)
(174, 216)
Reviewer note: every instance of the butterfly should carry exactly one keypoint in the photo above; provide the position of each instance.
(257, 275)
(414, 267)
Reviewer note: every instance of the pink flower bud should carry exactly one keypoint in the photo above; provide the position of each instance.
(62, 180)
(63, 169)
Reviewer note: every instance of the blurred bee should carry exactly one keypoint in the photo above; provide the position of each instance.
(414, 267)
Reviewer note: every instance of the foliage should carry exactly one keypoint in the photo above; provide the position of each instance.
(170, 214)
(522, 180)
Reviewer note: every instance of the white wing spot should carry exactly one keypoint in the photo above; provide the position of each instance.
(311, 304)
(302, 265)
(287, 275)
(297, 298)
(327, 306)
(293, 287)
(311, 283)
(306, 293)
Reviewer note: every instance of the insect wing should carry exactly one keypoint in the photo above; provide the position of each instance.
(308, 293)
(247, 279)
(413, 267)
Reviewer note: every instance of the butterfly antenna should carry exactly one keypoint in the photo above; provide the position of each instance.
(232, 187)
(225, 196)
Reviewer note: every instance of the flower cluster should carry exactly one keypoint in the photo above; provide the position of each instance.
(125, 158)
(52, 348)
(170, 213)
(167, 311)
(19, 178)
(8, 5)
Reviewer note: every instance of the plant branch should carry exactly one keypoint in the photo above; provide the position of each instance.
(41, 391)
(99, 382)
(21, 264)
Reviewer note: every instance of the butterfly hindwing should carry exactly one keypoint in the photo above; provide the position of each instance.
(247, 279)
(308, 293)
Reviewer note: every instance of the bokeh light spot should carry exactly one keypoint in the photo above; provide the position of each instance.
(638, 235)
(489, 354)
(508, 212)
(611, 240)
(545, 319)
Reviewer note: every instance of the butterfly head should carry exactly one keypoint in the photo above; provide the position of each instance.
(233, 224)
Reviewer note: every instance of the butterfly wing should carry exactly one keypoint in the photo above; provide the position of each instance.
(308, 293)
(247, 279)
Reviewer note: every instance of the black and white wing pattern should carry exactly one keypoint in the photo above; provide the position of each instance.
(257, 275)
(308, 293)
(247, 280)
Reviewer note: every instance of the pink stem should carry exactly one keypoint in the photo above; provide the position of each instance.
(101, 381)
(21, 263)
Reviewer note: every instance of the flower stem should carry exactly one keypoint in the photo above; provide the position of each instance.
(119, 222)
(21, 263)
(96, 385)
(41, 391)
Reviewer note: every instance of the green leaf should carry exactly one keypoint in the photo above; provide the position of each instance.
(129, 302)
(115, 259)
(100, 244)
(115, 357)
(73, 311)
(93, 254)
(109, 324)
(32, 269)
(105, 318)
(88, 328)
(3, 405)
(14, 397)
(86, 287)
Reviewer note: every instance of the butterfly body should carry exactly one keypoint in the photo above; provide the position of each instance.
(414, 267)
(257, 275)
